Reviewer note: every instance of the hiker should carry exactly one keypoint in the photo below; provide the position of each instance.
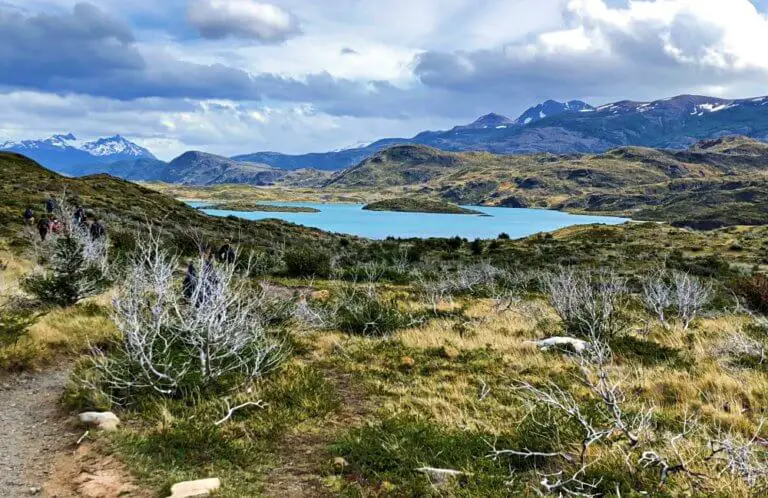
(190, 281)
(43, 226)
(97, 230)
(55, 226)
(51, 205)
(79, 217)
(227, 253)
(29, 216)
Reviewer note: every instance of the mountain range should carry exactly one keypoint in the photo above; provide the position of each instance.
(66, 151)
(572, 127)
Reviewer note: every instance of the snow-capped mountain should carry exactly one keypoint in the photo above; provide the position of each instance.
(570, 127)
(551, 108)
(116, 146)
(63, 153)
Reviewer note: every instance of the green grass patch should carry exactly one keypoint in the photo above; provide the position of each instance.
(178, 440)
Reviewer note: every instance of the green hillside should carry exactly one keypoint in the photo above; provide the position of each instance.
(125, 206)
(645, 183)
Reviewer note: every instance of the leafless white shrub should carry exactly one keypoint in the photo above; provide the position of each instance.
(610, 424)
(482, 278)
(172, 341)
(743, 458)
(469, 278)
(589, 305)
(657, 296)
(373, 271)
(232, 409)
(678, 292)
(401, 263)
(670, 459)
(436, 291)
(690, 297)
(315, 317)
(738, 345)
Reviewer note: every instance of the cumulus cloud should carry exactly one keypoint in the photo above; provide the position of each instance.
(168, 127)
(265, 22)
(647, 47)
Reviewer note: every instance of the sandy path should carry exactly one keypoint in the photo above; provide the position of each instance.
(33, 430)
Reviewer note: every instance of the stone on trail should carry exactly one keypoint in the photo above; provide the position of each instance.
(188, 489)
(106, 421)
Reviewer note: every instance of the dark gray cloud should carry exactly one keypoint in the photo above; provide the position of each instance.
(248, 19)
(87, 51)
(85, 43)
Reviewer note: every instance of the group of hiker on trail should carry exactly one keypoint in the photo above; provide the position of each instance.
(49, 224)
(226, 254)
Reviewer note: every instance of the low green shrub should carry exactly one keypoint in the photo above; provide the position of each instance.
(754, 290)
(73, 275)
(307, 262)
(368, 313)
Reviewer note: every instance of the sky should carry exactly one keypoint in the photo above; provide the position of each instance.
(295, 76)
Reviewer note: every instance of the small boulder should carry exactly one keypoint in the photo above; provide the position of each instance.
(340, 463)
(449, 352)
(105, 421)
(568, 343)
(440, 477)
(202, 487)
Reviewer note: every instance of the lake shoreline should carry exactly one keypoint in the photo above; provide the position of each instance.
(352, 219)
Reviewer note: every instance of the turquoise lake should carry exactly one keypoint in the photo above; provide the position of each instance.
(352, 219)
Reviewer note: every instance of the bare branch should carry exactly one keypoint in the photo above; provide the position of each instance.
(231, 410)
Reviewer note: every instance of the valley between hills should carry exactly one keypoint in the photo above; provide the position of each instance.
(265, 358)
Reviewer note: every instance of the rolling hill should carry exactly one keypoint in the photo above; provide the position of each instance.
(642, 182)
(125, 206)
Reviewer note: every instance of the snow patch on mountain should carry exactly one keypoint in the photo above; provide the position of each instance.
(109, 147)
(551, 108)
(115, 145)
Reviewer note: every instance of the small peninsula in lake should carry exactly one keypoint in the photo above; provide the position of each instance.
(413, 205)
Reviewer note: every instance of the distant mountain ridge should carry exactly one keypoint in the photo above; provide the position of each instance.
(569, 127)
(66, 151)
(200, 168)
(572, 127)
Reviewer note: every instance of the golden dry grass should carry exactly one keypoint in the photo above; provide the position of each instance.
(448, 391)
(71, 330)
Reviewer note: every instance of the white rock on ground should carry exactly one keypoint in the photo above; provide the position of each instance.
(440, 477)
(577, 345)
(106, 421)
(202, 487)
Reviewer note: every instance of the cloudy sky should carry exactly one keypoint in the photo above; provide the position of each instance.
(237, 76)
